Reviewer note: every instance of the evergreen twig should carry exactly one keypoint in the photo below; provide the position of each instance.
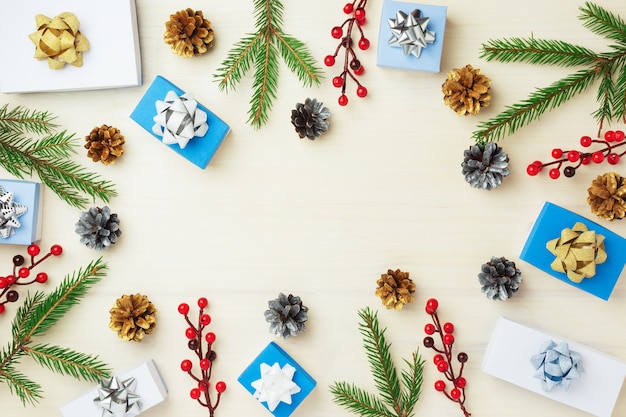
(608, 67)
(261, 50)
(396, 397)
(48, 157)
(35, 317)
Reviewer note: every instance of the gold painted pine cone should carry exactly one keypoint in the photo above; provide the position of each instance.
(188, 33)
(104, 144)
(466, 90)
(606, 196)
(395, 289)
(133, 317)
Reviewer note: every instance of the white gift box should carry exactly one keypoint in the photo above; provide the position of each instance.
(150, 388)
(508, 357)
(112, 61)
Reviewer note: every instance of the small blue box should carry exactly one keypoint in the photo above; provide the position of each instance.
(27, 193)
(270, 355)
(199, 150)
(393, 56)
(551, 220)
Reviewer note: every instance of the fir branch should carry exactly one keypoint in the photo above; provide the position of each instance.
(358, 401)
(538, 51)
(21, 315)
(23, 120)
(618, 103)
(68, 362)
(602, 22)
(604, 97)
(261, 50)
(412, 380)
(19, 384)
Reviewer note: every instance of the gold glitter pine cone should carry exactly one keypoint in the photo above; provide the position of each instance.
(606, 196)
(466, 90)
(188, 33)
(104, 144)
(395, 289)
(133, 317)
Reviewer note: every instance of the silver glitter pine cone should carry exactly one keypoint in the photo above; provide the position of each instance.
(286, 315)
(500, 279)
(484, 165)
(310, 119)
(98, 228)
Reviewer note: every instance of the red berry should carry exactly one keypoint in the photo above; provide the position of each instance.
(431, 305)
(532, 170)
(23, 272)
(460, 382)
(3, 282)
(613, 158)
(364, 44)
(336, 32)
(429, 328)
(348, 8)
(41, 277)
(557, 153)
(10, 279)
(33, 250)
(361, 91)
(190, 333)
(220, 387)
(609, 136)
(586, 160)
(437, 358)
(186, 365)
(1, 308)
(442, 366)
(209, 337)
(597, 157)
(329, 60)
(205, 364)
(343, 100)
(56, 250)
(585, 141)
(619, 136)
(205, 319)
(554, 173)
(455, 393)
(195, 393)
(183, 308)
(359, 13)
(338, 82)
(573, 156)
(448, 339)
(203, 302)
(359, 71)
(440, 385)
(448, 327)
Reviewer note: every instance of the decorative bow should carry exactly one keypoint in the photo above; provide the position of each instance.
(59, 41)
(410, 32)
(117, 398)
(556, 365)
(275, 385)
(9, 212)
(178, 119)
(577, 252)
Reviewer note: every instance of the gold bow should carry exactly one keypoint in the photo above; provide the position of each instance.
(577, 252)
(59, 41)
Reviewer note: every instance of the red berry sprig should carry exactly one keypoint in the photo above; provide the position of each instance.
(21, 273)
(206, 357)
(612, 140)
(443, 358)
(352, 67)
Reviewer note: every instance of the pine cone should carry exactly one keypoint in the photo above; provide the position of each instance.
(466, 90)
(104, 144)
(188, 33)
(98, 228)
(606, 196)
(499, 278)
(310, 119)
(286, 315)
(395, 289)
(484, 166)
(133, 317)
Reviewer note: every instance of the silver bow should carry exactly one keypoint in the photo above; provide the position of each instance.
(9, 212)
(178, 119)
(410, 32)
(556, 365)
(117, 398)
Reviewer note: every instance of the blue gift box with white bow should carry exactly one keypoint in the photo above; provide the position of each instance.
(20, 212)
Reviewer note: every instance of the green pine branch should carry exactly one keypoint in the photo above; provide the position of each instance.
(396, 397)
(48, 157)
(38, 314)
(262, 50)
(608, 67)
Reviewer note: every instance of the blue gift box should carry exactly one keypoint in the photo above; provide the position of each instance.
(275, 354)
(393, 56)
(199, 150)
(26, 193)
(551, 220)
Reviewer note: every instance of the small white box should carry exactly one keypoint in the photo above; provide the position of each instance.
(508, 357)
(112, 61)
(150, 387)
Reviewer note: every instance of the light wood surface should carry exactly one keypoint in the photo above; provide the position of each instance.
(323, 219)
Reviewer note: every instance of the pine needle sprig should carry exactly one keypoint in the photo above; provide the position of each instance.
(261, 50)
(37, 315)
(396, 397)
(608, 67)
(48, 157)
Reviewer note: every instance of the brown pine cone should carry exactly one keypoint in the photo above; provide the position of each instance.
(466, 90)
(132, 317)
(188, 33)
(395, 289)
(104, 144)
(606, 196)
